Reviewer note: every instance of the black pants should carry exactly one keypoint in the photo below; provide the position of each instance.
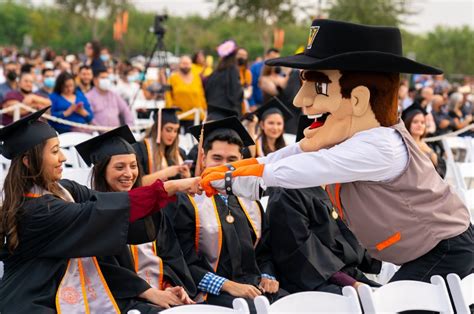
(225, 299)
(454, 255)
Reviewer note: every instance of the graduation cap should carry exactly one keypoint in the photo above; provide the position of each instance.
(163, 116)
(231, 124)
(25, 134)
(115, 142)
(218, 113)
(303, 123)
(274, 105)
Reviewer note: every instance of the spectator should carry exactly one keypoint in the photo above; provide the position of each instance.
(223, 87)
(10, 70)
(186, 91)
(128, 84)
(440, 84)
(256, 69)
(108, 108)
(69, 103)
(24, 95)
(49, 80)
(245, 76)
(444, 122)
(273, 80)
(408, 100)
(415, 122)
(460, 119)
(84, 79)
(200, 65)
(467, 106)
(92, 51)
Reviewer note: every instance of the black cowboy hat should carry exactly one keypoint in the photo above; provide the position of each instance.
(335, 45)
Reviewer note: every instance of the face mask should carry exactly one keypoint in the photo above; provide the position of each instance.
(185, 70)
(11, 76)
(241, 61)
(105, 84)
(24, 91)
(133, 78)
(112, 77)
(49, 82)
(104, 58)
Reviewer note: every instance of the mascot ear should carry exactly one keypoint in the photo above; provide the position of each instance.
(360, 97)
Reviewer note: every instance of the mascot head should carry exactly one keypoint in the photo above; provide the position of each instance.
(350, 77)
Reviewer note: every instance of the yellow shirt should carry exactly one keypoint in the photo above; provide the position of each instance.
(200, 70)
(185, 96)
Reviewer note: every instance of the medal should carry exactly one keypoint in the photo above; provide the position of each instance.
(229, 218)
(334, 214)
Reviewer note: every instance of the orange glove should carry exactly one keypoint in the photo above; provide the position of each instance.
(246, 181)
(236, 165)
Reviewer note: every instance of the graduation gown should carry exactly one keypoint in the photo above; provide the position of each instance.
(309, 246)
(51, 231)
(238, 261)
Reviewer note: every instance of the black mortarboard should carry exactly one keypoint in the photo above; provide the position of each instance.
(115, 142)
(303, 123)
(228, 124)
(217, 113)
(167, 115)
(25, 134)
(274, 105)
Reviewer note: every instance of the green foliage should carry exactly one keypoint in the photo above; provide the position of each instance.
(371, 12)
(451, 49)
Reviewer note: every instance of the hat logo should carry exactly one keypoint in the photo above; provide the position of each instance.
(313, 31)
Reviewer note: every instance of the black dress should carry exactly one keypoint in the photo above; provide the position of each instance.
(51, 231)
(223, 89)
(309, 246)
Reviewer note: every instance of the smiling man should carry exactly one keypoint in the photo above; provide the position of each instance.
(384, 188)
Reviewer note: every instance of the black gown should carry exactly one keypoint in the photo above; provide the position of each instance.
(239, 261)
(51, 231)
(309, 246)
(142, 154)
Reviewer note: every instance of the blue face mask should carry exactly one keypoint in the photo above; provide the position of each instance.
(104, 58)
(49, 82)
(133, 78)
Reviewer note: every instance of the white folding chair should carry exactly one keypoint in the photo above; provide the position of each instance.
(240, 307)
(385, 274)
(67, 141)
(406, 295)
(462, 292)
(453, 146)
(80, 175)
(311, 302)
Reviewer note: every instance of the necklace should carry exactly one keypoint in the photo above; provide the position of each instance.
(229, 218)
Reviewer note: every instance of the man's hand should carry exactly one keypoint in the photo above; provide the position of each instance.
(269, 285)
(181, 294)
(240, 290)
(188, 186)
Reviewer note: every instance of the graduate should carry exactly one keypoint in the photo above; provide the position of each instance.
(137, 272)
(223, 238)
(272, 117)
(383, 186)
(312, 249)
(51, 229)
(159, 153)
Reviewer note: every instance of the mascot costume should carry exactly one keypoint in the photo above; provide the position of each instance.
(380, 183)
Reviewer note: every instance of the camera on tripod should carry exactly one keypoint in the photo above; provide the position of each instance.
(158, 27)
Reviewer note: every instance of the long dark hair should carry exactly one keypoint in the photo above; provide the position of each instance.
(227, 62)
(19, 181)
(171, 152)
(279, 143)
(61, 81)
(409, 120)
(96, 49)
(99, 180)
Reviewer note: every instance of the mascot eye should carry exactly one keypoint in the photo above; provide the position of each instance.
(321, 88)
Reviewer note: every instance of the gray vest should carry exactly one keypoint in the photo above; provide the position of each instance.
(402, 219)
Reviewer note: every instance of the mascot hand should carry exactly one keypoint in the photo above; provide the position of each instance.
(245, 182)
(235, 165)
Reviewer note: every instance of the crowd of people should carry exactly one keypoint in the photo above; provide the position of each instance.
(75, 249)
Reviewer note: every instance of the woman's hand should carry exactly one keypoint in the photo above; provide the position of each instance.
(80, 110)
(181, 294)
(188, 186)
(69, 111)
(184, 171)
(171, 171)
(164, 299)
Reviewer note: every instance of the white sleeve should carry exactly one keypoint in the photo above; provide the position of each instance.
(280, 154)
(374, 155)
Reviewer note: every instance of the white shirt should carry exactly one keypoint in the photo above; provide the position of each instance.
(378, 154)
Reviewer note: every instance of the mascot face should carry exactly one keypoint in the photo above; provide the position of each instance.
(336, 118)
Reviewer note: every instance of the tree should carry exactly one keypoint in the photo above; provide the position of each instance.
(90, 10)
(266, 14)
(371, 12)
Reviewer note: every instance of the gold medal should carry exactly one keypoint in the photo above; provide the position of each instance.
(230, 219)
(334, 214)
